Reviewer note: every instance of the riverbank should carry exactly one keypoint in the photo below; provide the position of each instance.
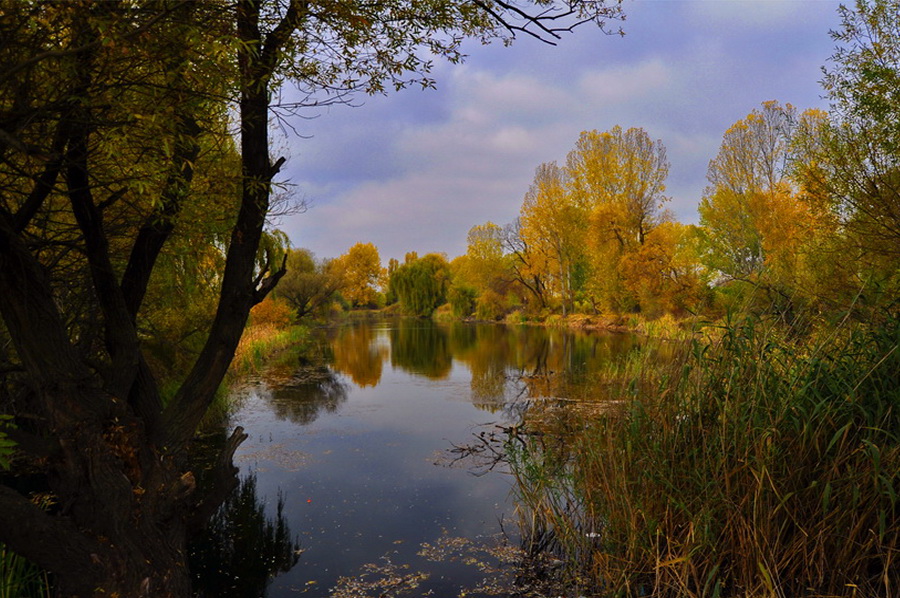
(665, 327)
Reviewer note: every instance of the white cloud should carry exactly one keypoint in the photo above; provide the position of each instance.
(625, 83)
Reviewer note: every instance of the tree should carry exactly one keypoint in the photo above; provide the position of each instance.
(487, 265)
(484, 271)
(309, 285)
(617, 178)
(110, 116)
(421, 284)
(622, 170)
(361, 274)
(856, 153)
(758, 222)
(522, 263)
(105, 79)
(746, 179)
(552, 227)
(664, 272)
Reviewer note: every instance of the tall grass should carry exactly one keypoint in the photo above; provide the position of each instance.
(761, 465)
(261, 345)
(20, 578)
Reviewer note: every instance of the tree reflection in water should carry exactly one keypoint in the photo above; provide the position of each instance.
(357, 353)
(311, 391)
(242, 549)
(421, 347)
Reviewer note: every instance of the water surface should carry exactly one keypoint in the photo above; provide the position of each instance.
(355, 462)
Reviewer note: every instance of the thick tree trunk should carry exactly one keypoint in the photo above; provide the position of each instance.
(115, 459)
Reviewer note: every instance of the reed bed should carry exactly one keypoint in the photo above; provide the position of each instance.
(766, 464)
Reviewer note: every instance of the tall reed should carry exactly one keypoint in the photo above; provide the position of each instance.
(761, 465)
(20, 578)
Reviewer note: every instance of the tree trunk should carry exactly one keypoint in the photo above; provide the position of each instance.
(115, 460)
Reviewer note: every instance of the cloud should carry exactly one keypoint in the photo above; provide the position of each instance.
(750, 13)
(414, 171)
(625, 83)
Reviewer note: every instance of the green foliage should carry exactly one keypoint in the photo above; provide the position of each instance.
(7, 446)
(462, 300)
(421, 284)
(374, 47)
(272, 252)
(20, 578)
(855, 160)
(309, 286)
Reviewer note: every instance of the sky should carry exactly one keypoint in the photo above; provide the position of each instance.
(415, 170)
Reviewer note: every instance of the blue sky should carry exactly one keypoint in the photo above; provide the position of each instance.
(414, 170)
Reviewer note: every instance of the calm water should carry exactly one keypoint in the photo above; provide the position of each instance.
(352, 486)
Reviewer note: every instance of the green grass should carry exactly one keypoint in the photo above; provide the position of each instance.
(766, 464)
(20, 578)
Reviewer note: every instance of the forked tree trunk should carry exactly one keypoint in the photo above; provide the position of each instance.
(115, 459)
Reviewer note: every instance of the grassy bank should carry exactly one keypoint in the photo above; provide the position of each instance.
(760, 465)
(263, 347)
(266, 345)
(666, 327)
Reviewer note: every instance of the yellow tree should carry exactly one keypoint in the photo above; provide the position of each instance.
(749, 170)
(486, 266)
(664, 273)
(522, 263)
(553, 228)
(362, 273)
(484, 274)
(755, 225)
(625, 170)
(618, 178)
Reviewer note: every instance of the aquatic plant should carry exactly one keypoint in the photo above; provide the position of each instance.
(765, 464)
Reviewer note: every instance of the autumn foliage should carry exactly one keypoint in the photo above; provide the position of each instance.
(593, 235)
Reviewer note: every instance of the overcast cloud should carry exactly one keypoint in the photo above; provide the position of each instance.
(413, 171)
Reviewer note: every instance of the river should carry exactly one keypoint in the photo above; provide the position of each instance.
(370, 469)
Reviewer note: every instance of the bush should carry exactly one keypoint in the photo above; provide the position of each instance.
(490, 306)
(271, 312)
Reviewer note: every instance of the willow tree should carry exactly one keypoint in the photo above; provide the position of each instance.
(421, 284)
(106, 109)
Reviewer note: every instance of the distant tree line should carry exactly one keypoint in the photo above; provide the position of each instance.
(801, 215)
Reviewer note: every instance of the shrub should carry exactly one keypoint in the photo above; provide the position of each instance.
(271, 312)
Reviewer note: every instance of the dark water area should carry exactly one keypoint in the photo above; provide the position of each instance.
(354, 481)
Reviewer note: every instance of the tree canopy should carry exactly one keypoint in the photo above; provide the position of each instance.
(134, 164)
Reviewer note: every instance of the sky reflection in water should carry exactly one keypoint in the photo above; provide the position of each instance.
(359, 451)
